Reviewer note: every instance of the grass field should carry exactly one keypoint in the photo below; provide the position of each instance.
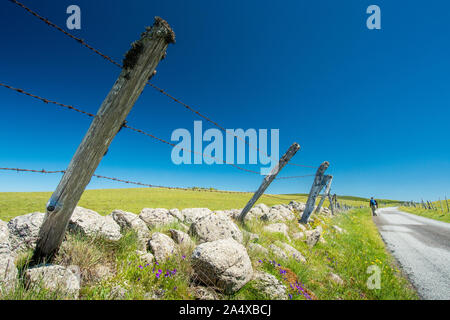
(440, 213)
(348, 255)
(134, 200)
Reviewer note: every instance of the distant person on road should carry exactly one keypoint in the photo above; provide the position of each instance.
(373, 206)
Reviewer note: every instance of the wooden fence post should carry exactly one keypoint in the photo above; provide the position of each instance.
(138, 66)
(446, 202)
(316, 187)
(334, 199)
(331, 204)
(327, 179)
(442, 207)
(268, 179)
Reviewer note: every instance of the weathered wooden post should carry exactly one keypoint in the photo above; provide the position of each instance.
(316, 187)
(334, 199)
(269, 178)
(331, 204)
(138, 66)
(327, 179)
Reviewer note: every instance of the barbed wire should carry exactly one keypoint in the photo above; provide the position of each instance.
(191, 151)
(127, 181)
(218, 125)
(128, 127)
(146, 184)
(31, 170)
(82, 42)
(47, 100)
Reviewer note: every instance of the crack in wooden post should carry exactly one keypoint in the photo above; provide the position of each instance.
(139, 65)
(316, 187)
(268, 179)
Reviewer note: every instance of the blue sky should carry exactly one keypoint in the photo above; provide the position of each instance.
(374, 103)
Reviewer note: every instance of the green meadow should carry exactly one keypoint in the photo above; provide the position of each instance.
(347, 254)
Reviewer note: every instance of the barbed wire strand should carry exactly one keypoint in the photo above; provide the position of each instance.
(125, 125)
(128, 127)
(82, 42)
(125, 181)
(47, 100)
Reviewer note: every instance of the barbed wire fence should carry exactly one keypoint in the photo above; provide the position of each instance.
(47, 248)
(109, 59)
(125, 125)
(141, 131)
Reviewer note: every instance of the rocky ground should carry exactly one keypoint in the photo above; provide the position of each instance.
(221, 253)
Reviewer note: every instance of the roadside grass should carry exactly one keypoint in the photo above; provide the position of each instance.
(436, 214)
(348, 255)
(107, 268)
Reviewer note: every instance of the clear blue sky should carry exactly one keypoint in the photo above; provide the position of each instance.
(375, 104)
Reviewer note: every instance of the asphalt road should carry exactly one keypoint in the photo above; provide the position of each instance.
(422, 247)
